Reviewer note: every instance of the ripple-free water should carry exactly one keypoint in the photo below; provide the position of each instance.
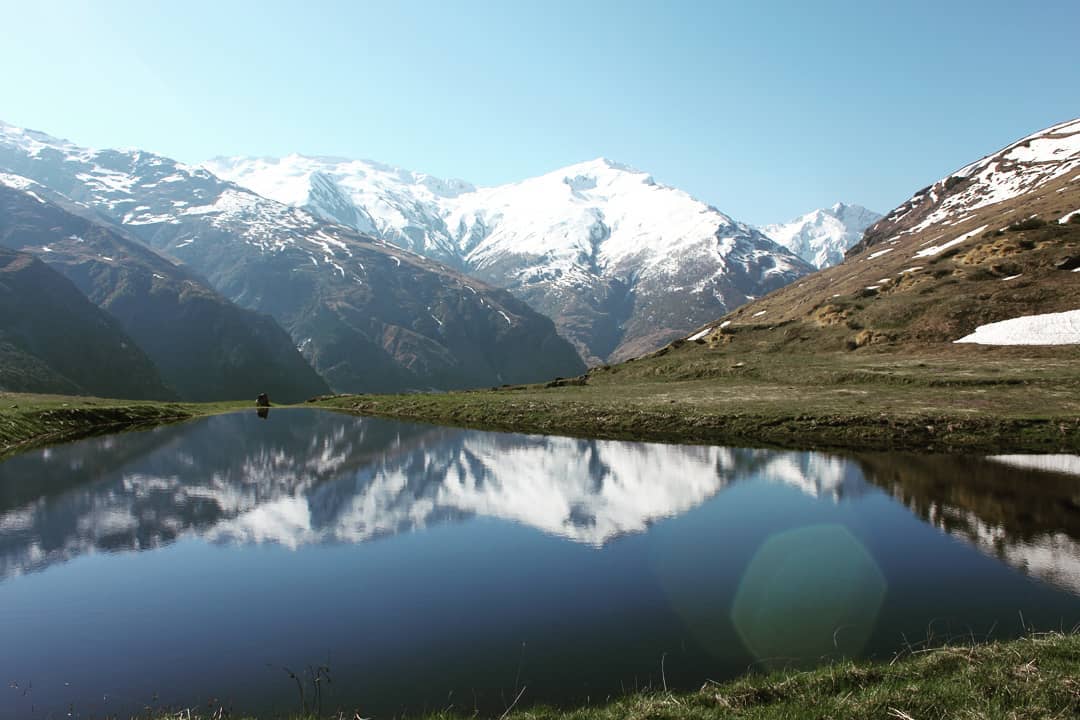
(429, 567)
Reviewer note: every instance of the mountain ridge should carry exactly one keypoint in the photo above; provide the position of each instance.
(205, 347)
(413, 324)
(996, 240)
(53, 339)
(619, 261)
(822, 236)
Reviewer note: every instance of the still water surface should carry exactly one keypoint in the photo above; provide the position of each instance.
(430, 567)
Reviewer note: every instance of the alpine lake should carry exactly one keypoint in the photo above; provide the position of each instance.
(322, 561)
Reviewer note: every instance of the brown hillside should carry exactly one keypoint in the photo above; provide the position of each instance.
(997, 239)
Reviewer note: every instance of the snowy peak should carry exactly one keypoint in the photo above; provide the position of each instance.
(821, 237)
(1010, 177)
(598, 167)
(600, 206)
(34, 141)
(971, 258)
(314, 277)
(621, 262)
(452, 217)
(287, 179)
(391, 203)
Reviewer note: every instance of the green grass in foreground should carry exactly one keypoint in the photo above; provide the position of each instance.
(28, 420)
(1034, 677)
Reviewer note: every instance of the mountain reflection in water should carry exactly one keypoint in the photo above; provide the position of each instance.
(342, 479)
(1021, 509)
(338, 479)
(425, 565)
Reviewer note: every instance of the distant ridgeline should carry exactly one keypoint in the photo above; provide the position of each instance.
(996, 241)
(230, 294)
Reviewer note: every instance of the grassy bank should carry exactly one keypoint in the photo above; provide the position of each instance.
(1034, 677)
(1037, 677)
(964, 399)
(28, 421)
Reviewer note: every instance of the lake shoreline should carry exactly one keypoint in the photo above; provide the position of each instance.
(1034, 676)
(1031, 677)
(866, 432)
(29, 421)
(957, 400)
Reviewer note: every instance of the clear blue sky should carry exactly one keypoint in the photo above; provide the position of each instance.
(763, 109)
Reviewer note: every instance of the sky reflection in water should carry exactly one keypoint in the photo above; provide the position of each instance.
(430, 566)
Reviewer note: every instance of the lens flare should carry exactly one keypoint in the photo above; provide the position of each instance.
(808, 593)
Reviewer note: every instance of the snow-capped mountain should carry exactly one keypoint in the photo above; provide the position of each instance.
(367, 315)
(994, 241)
(619, 261)
(390, 203)
(1015, 173)
(204, 346)
(821, 237)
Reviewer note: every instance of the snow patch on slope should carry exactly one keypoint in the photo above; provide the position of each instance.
(16, 182)
(936, 249)
(1048, 329)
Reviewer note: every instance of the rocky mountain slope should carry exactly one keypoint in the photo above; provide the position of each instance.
(205, 347)
(52, 339)
(821, 237)
(619, 261)
(996, 240)
(368, 316)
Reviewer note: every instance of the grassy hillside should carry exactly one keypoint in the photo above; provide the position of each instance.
(997, 240)
(881, 303)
